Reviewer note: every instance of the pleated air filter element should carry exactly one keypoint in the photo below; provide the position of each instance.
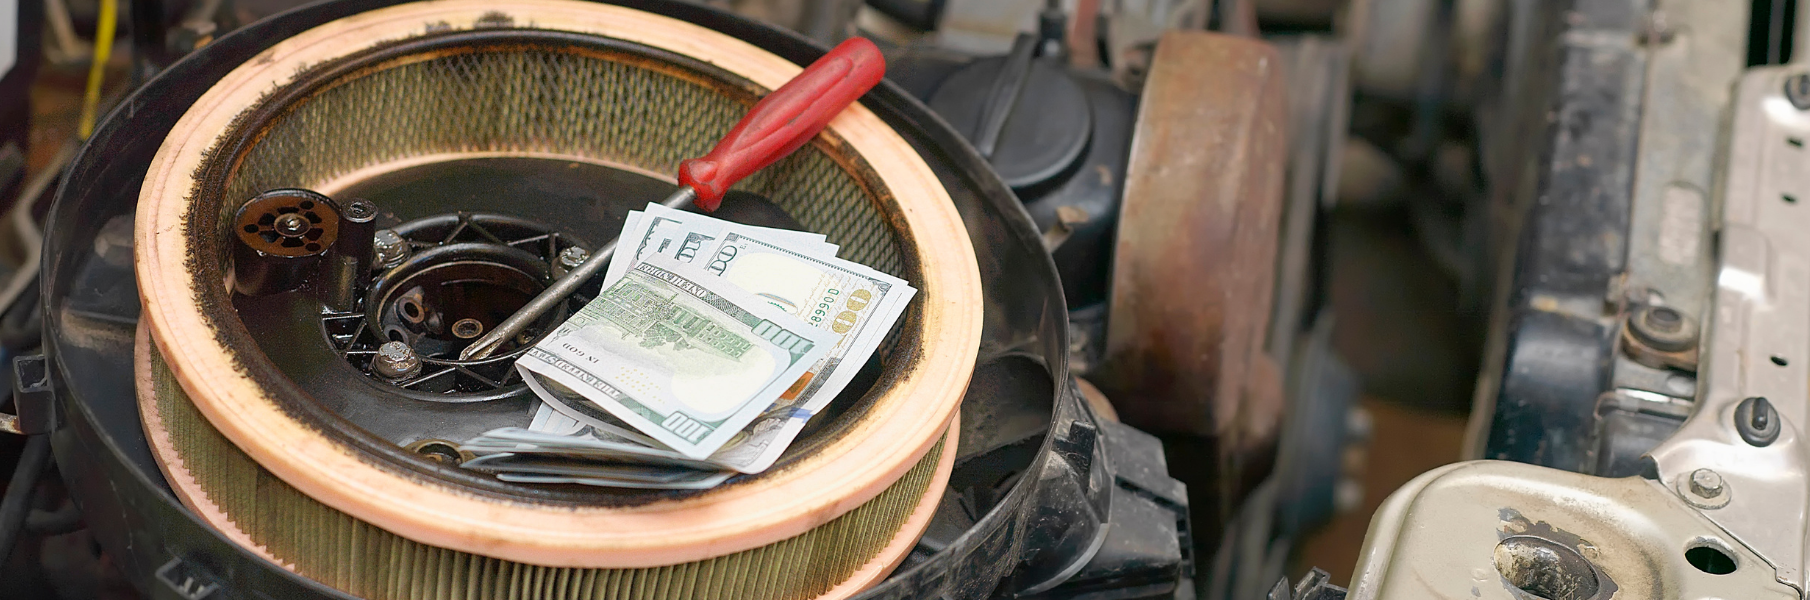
(246, 445)
(520, 95)
(341, 551)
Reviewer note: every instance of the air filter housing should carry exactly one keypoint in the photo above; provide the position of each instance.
(1029, 495)
(264, 426)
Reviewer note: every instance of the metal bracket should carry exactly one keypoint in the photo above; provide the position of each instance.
(33, 400)
(1315, 585)
(1758, 342)
(187, 580)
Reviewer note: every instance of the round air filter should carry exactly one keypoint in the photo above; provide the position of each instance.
(503, 129)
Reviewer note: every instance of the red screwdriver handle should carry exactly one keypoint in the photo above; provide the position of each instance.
(785, 119)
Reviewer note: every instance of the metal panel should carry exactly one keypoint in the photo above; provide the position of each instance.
(1690, 72)
(1445, 535)
(1562, 199)
(1759, 340)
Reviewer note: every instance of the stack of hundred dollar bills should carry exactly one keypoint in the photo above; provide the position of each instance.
(708, 348)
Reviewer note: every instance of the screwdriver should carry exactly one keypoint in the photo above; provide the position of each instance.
(777, 125)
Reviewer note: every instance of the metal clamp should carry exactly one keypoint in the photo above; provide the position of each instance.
(1315, 585)
(33, 401)
(186, 580)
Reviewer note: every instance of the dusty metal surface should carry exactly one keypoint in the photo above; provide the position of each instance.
(1696, 50)
(1203, 203)
(1758, 341)
(1490, 530)
(1559, 154)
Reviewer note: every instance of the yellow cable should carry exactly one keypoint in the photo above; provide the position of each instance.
(103, 46)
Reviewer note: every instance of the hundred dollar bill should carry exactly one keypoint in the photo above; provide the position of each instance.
(584, 445)
(693, 480)
(564, 412)
(550, 421)
(683, 357)
(541, 464)
(682, 235)
(571, 413)
(576, 448)
(559, 433)
(856, 303)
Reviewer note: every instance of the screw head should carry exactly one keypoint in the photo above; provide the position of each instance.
(570, 258)
(1706, 483)
(396, 360)
(390, 248)
(1797, 90)
(360, 210)
(292, 225)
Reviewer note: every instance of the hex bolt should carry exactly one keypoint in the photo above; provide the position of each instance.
(396, 361)
(390, 247)
(1797, 90)
(1706, 484)
(571, 257)
(292, 225)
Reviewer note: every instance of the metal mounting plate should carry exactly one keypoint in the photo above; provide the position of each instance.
(1758, 343)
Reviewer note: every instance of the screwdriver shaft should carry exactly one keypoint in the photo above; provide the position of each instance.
(557, 293)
